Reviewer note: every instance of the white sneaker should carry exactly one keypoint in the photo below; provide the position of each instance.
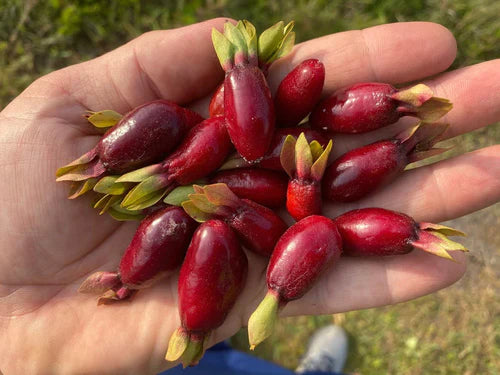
(327, 351)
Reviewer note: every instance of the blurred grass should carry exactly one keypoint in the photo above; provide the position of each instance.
(455, 331)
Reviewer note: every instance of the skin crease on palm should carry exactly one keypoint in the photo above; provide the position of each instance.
(50, 244)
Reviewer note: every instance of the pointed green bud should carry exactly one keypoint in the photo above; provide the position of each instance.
(263, 320)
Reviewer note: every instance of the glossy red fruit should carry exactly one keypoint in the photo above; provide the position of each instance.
(301, 255)
(368, 106)
(377, 231)
(272, 158)
(305, 164)
(143, 136)
(258, 227)
(216, 107)
(299, 92)
(157, 248)
(262, 186)
(248, 106)
(211, 279)
(363, 170)
(204, 149)
(249, 111)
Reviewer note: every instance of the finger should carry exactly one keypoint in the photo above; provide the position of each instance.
(178, 65)
(393, 53)
(359, 283)
(440, 191)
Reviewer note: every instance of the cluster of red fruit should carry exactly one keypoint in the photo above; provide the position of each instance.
(202, 180)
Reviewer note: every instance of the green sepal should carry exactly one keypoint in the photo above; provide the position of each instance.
(224, 49)
(316, 149)
(178, 195)
(234, 161)
(195, 212)
(415, 96)
(106, 202)
(237, 38)
(287, 155)
(263, 320)
(108, 185)
(221, 195)
(321, 162)
(250, 34)
(78, 188)
(141, 174)
(194, 351)
(433, 238)
(448, 231)
(103, 119)
(275, 42)
(147, 193)
(303, 157)
(201, 201)
(177, 344)
(123, 216)
(433, 109)
(76, 167)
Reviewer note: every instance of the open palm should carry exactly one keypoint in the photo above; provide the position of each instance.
(49, 244)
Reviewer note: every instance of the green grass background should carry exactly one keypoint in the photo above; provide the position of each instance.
(455, 331)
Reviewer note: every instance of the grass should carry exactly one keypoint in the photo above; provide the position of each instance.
(455, 331)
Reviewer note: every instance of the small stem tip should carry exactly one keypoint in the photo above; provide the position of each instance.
(262, 321)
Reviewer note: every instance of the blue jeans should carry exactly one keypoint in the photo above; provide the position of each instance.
(221, 359)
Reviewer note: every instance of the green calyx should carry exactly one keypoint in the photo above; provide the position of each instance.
(433, 238)
(210, 200)
(418, 141)
(263, 320)
(78, 188)
(187, 347)
(239, 44)
(304, 160)
(275, 43)
(147, 193)
(109, 185)
(420, 101)
(103, 119)
(85, 167)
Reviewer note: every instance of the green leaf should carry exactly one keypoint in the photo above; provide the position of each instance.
(319, 166)
(270, 40)
(224, 49)
(108, 185)
(141, 174)
(303, 157)
(195, 212)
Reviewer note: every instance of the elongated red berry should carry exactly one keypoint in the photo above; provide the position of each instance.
(301, 255)
(202, 152)
(258, 227)
(368, 106)
(299, 92)
(143, 136)
(211, 279)
(377, 231)
(157, 248)
(272, 158)
(248, 106)
(363, 170)
(305, 164)
(262, 186)
(216, 107)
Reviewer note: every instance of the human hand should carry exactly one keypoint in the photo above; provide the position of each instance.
(49, 244)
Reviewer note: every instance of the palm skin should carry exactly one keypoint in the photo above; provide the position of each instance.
(49, 244)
